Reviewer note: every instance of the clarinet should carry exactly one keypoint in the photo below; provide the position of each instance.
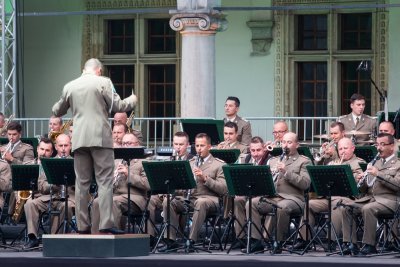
(189, 191)
(365, 175)
(275, 173)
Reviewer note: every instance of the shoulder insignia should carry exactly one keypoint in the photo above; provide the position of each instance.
(220, 160)
(192, 159)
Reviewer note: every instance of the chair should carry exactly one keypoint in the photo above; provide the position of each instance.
(386, 232)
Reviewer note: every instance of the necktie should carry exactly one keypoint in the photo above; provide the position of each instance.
(383, 161)
(179, 158)
(357, 120)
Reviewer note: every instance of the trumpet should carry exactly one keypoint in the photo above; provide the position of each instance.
(269, 146)
(6, 150)
(275, 171)
(318, 156)
(118, 176)
(365, 176)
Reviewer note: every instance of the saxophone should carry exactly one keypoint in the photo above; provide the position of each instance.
(53, 135)
(21, 198)
(130, 121)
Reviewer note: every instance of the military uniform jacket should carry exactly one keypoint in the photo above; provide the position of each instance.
(139, 183)
(244, 130)
(366, 124)
(44, 189)
(295, 181)
(90, 98)
(5, 177)
(21, 153)
(263, 160)
(383, 192)
(215, 185)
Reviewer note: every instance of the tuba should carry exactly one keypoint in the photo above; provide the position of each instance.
(53, 135)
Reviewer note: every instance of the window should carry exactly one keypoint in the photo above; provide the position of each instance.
(312, 32)
(123, 77)
(356, 31)
(120, 36)
(161, 38)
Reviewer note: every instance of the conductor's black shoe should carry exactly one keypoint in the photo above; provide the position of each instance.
(239, 244)
(300, 244)
(350, 249)
(169, 245)
(113, 231)
(277, 249)
(190, 246)
(84, 232)
(32, 243)
(255, 246)
(367, 249)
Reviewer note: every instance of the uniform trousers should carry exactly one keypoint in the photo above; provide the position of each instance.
(201, 206)
(287, 209)
(101, 160)
(33, 208)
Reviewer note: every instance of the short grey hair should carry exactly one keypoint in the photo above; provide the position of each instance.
(93, 64)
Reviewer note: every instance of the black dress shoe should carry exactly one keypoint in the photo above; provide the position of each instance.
(84, 232)
(239, 244)
(113, 231)
(300, 244)
(350, 249)
(32, 243)
(367, 249)
(255, 246)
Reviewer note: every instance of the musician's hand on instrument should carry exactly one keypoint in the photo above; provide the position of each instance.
(281, 166)
(372, 170)
(122, 169)
(7, 156)
(199, 173)
(359, 176)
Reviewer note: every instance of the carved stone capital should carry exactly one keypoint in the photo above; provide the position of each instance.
(194, 22)
(261, 40)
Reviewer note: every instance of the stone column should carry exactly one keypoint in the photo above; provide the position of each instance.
(198, 23)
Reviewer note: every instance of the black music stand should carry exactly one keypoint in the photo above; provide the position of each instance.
(164, 178)
(276, 152)
(214, 129)
(127, 154)
(367, 153)
(328, 181)
(24, 178)
(4, 140)
(60, 171)
(228, 155)
(31, 141)
(249, 181)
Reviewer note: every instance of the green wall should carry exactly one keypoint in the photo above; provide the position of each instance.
(52, 50)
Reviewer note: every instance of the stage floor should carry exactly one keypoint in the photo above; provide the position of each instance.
(220, 259)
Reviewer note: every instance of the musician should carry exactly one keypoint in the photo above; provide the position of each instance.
(91, 98)
(280, 128)
(122, 117)
(55, 124)
(232, 105)
(258, 156)
(5, 180)
(382, 197)
(138, 190)
(3, 132)
(357, 120)
(41, 201)
(119, 130)
(386, 127)
(204, 198)
(346, 151)
(16, 152)
(291, 180)
(330, 149)
(231, 138)
(180, 144)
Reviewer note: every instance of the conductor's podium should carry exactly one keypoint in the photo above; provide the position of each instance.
(98, 246)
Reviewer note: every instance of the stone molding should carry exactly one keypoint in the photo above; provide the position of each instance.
(261, 31)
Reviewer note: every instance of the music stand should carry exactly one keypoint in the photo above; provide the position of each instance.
(60, 171)
(4, 140)
(24, 178)
(31, 141)
(336, 180)
(276, 152)
(164, 178)
(249, 181)
(367, 153)
(127, 154)
(213, 128)
(228, 155)
(363, 166)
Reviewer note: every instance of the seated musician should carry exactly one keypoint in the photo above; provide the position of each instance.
(180, 144)
(291, 180)
(231, 138)
(138, 191)
(329, 150)
(258, 156)
(280, 128)
(357, 120)
(346, 151)
(122, 117)
(204, 198)
(382, 181)
(41, 200)
(5, 181)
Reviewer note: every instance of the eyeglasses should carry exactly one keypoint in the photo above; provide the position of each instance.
(278, 132)
(129, 143)
(382, 144)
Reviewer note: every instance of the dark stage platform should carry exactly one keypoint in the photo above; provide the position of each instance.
(219, 259)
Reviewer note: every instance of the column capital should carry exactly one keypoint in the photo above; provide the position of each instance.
(198, 22)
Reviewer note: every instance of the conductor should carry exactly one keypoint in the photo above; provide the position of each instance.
(91, 99)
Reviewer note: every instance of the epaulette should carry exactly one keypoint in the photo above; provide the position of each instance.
(192, 159)
(220, 160)
(2, 160)
(243, 119)
(341, 117)
(360, 159)
(305, 157)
